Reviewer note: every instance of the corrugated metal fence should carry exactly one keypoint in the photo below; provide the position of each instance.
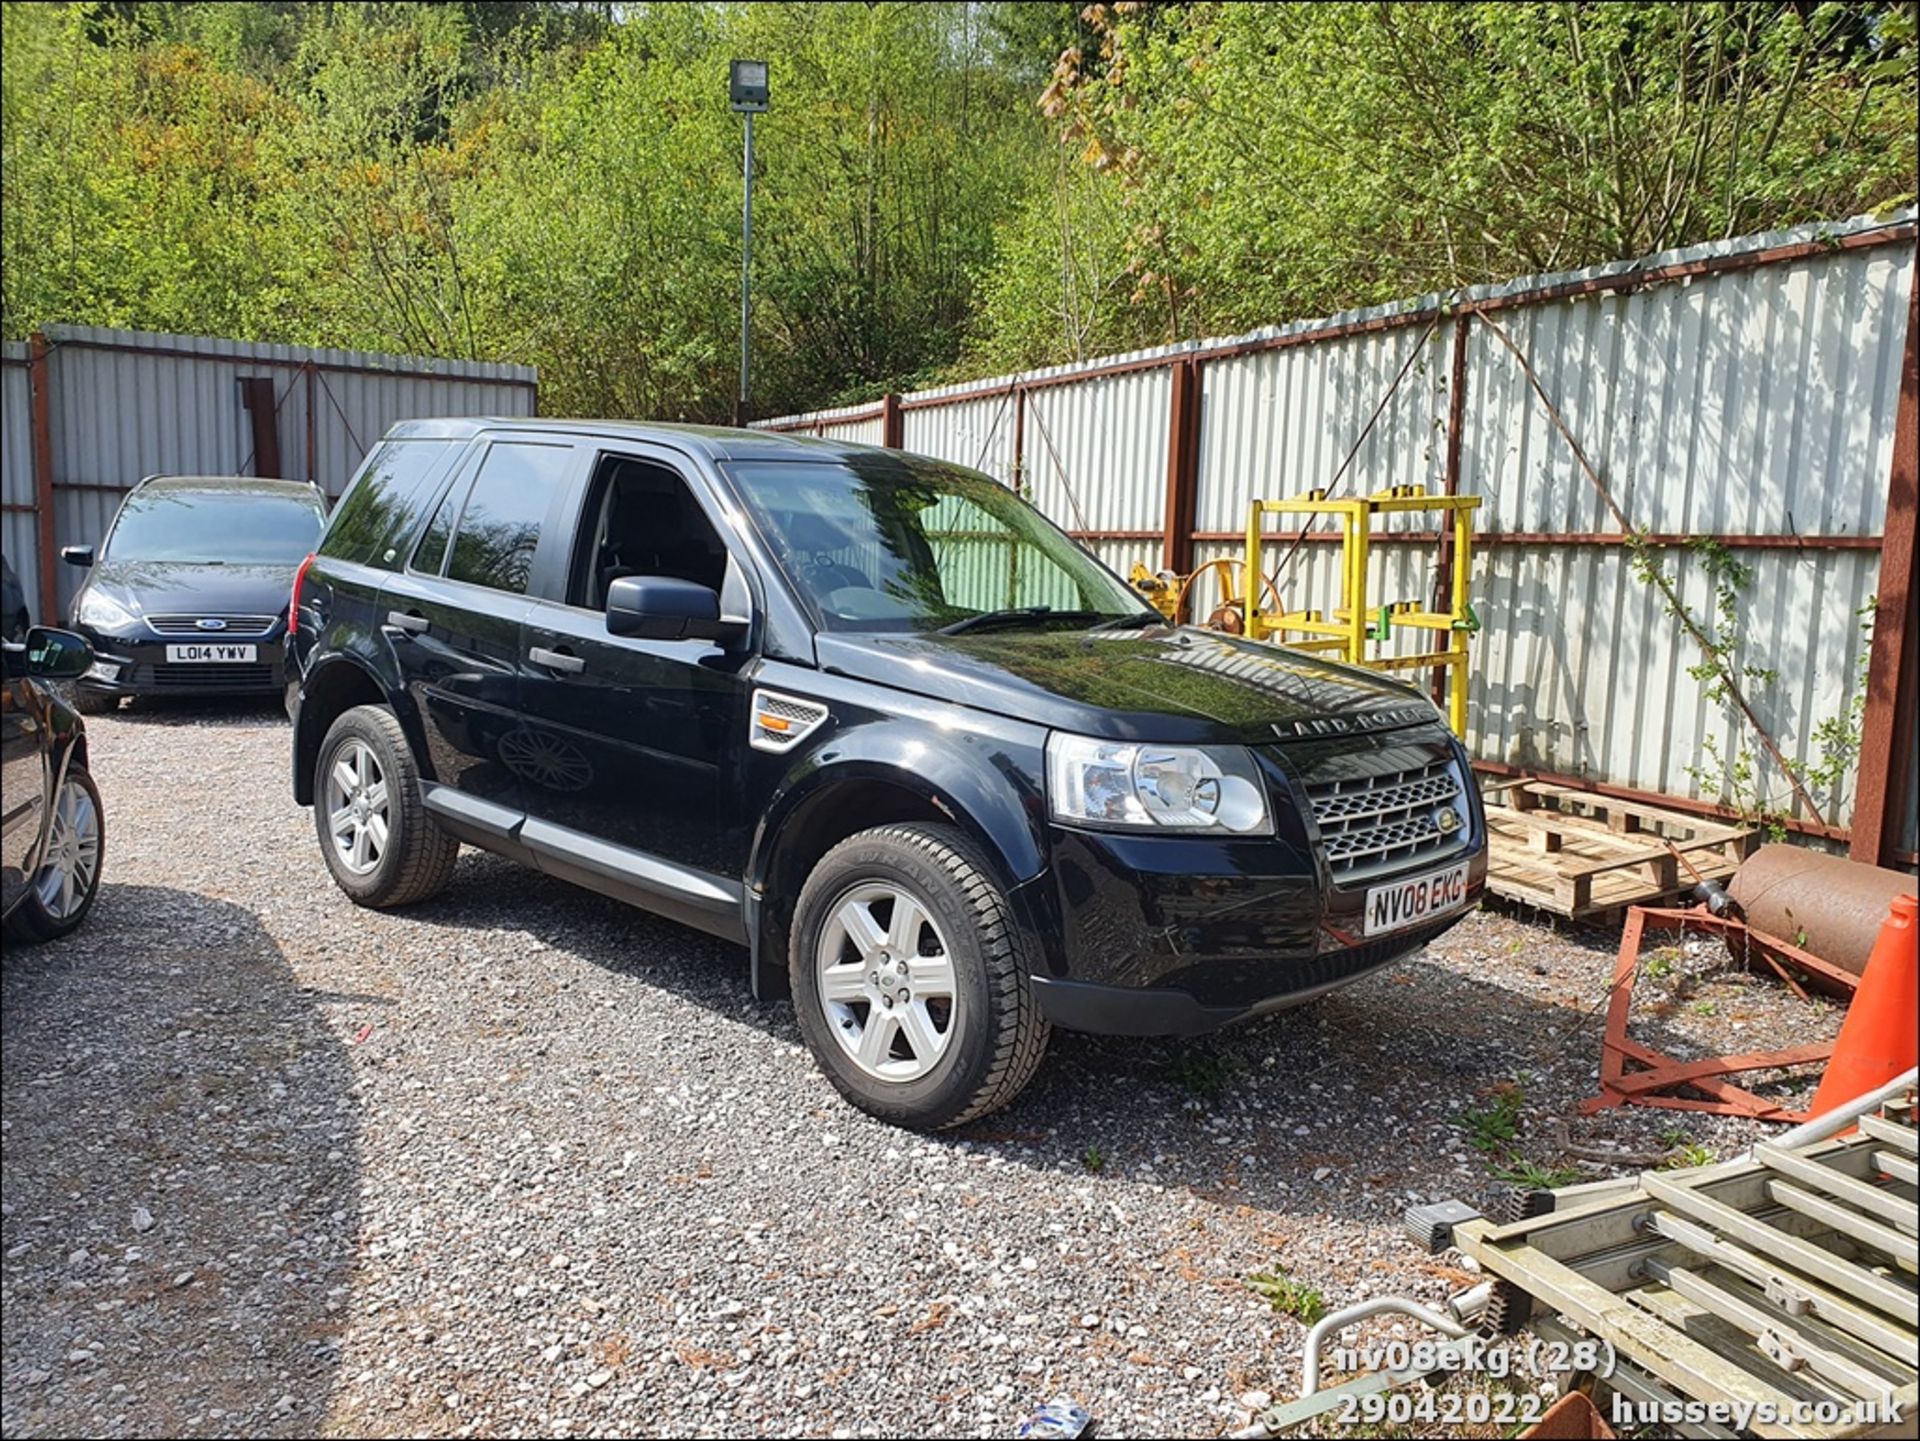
(113, 406)
(1744, 392)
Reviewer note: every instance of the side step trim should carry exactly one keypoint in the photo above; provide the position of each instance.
(459, 813)
(693, 897)
(680, 893)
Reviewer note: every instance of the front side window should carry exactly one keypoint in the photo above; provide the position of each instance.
(499, 529)
(640, 519)
(891, 543)
(211, 527)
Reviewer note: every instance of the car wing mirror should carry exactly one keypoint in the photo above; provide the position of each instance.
(81, 555)
(57, 654)
(664, 607)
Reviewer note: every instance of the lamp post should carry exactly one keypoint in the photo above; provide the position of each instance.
(747, 92)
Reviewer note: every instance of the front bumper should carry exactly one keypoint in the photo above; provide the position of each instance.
(1167, 1011)
(1155, 934)
(137, 665)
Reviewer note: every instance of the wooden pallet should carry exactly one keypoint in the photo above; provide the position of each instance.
(1579, 854)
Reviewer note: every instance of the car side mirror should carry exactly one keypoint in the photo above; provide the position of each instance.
(57, 654)
(664, 607)
(81, 555)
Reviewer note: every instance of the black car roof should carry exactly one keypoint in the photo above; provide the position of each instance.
(229, 485)
(713, 441)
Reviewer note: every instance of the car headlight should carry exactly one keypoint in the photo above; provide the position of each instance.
(1155, 787)
(103, 612)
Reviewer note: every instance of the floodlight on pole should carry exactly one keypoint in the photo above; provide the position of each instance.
(747, 93)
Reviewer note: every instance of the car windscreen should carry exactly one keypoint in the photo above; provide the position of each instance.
(884, 542)
(238, 527)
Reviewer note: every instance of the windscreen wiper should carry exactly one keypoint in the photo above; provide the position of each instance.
(1134, 620)
(1012, 615)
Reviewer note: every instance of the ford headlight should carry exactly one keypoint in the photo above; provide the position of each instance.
(103, 612)
(1155, 787)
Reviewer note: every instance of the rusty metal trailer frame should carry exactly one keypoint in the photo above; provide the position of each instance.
(1633, 1073)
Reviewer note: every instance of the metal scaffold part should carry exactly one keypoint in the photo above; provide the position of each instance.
(1357, 629)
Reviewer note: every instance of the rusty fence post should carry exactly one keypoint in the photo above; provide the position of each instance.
(256, 398)
(1183, 465)
(313, 449)
(40, 389)
(1450, 479)
(893, 424)
(1018, 479)
(1887, 732)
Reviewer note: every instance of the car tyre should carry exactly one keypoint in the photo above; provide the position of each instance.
(383, 848)
(76, 849)
(962, 1032)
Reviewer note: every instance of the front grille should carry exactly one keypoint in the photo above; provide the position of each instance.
(211, 677)
(237, 627)
(1381, 821)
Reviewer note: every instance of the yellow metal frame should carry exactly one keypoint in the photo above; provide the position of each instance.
(1352, 627)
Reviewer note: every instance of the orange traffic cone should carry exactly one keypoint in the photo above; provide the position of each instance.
(1878, 1038)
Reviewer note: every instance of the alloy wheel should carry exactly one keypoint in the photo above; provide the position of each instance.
(73, 853)
(358, 815)
(887, 982)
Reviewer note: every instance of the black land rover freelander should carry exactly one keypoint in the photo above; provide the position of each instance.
(950, 780)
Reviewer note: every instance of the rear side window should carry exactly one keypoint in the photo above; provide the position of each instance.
(383, 504)
(433, 545)
(500, 524)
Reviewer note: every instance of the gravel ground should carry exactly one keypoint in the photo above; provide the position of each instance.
(522, 1160)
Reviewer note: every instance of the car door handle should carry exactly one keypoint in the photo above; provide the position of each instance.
(556, 660)
(406, 620)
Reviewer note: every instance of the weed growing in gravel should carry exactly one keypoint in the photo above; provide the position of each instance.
(1534, 1177)
(1203, 1073)
(1662, 963)
(1288, 1296)
(1683, 1154)
(1093, 1159)
(1491, 1128)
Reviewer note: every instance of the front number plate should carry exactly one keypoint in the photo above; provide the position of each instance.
(1400, 904)
(209, 654)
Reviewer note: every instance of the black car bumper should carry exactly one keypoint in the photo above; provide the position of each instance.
(1286, 982)
(1154, 934)
(143, 666)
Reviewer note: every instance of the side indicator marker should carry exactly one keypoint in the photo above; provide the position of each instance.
(781, 722)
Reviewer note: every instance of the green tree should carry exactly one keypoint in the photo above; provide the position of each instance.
(1280, 160)
(942, 188)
